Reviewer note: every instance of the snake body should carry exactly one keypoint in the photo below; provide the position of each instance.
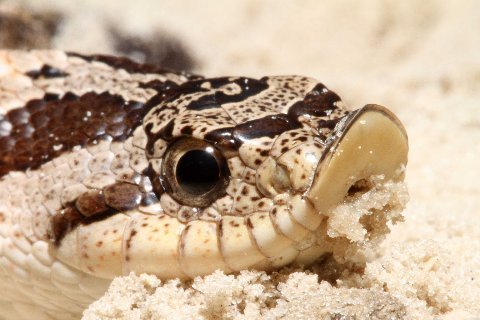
(108, 166)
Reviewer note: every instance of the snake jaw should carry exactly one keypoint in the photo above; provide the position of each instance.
(370, 141)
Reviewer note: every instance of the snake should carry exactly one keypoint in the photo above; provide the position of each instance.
(109, 166)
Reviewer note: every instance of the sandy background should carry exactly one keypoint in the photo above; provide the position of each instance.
(420, 58)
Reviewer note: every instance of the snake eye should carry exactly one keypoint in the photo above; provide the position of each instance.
(194, 172)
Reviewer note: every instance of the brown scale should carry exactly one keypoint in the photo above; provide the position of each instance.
(45, 128)
(95, 205)
(47, 72)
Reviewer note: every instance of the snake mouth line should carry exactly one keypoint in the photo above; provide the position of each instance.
(369, 142)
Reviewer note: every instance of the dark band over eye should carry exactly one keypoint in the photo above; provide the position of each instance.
(194, 172)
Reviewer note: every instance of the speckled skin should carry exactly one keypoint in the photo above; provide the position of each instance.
(83, 198)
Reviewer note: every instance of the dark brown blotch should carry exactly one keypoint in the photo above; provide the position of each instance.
(91, 203)
(328, 124)
(64, 222)
(46, 72)
(320, 102)
(269, 126)
(45, 128)
(129, 240)
(248, 88)
(187, 130)
(123, 196)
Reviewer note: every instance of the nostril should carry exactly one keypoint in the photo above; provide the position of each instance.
(360, 186)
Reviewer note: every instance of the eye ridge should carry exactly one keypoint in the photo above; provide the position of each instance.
(194, 172)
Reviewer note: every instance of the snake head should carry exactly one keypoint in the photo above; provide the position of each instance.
(246, 173)
(283, 153)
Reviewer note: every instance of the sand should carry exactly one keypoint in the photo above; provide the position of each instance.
(419, 58)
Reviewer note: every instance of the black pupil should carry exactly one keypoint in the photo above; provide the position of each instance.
(197, 172)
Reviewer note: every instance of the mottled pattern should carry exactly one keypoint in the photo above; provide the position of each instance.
(89, 147)
(45, 128)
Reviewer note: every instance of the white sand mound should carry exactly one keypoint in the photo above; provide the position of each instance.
(250, 295)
